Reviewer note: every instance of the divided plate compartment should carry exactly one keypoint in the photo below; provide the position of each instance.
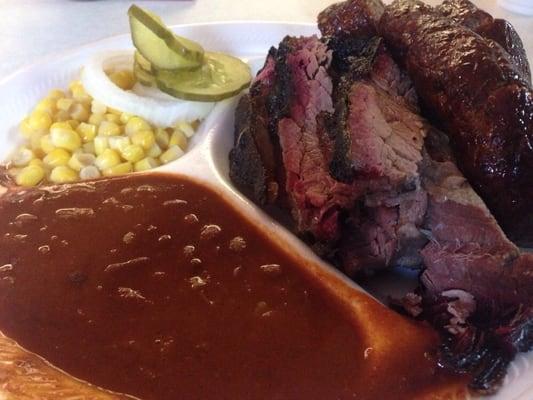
(207, 157)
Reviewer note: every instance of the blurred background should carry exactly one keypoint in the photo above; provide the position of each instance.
(31, 29)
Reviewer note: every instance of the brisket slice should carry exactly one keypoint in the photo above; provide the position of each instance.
(500, 31)
(378, 145)
(474, 91)
(254, 165)
(316, 198)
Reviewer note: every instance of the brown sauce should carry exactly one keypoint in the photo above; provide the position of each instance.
(153, 285)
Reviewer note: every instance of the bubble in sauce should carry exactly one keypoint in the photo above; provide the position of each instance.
(197, 282)
(44, 249)
(237, 243)
(128, 237)
(189, 250)
(271, 269)
(190, 218)
(209, 231)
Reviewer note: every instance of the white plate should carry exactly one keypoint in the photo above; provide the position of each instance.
(207, 158)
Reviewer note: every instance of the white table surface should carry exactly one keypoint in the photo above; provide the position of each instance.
(31, 29)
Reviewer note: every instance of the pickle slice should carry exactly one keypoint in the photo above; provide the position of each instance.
(220, 76)
(143, 76)
(142, 62)
(159, 45)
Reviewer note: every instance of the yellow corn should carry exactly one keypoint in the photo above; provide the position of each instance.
(22, 157)
(109, 158)
(62, 116)
(185, 128)
(56, 158)
(112, 118)
(64, 104)
(46, 144)
(124, 79)
(39, 163)
(125, 117)
(47, 105)
(162, 138)
(62, 135)
(145, 164)
(144, 138)
(114, 111)
(96, 119)
(30, 176)
(86, 131)
(35, 140)
(98, 108)
(119, 169)
(133, 153)
(101, 144)
(78, 92)
(79, 161)
(179, 139)
(89, 147)
(136, 124)
(40, 120)
(171, 154)
(79, 112)
(119, 143)
(89, 172)
(55, 94)
(63, 174)
(73, 123)
(154, 151)
(25, 128)
(107, 128)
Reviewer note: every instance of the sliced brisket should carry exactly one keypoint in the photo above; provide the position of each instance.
(474, 90)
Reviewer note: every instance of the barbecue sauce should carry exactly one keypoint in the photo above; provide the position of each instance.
(154, 286)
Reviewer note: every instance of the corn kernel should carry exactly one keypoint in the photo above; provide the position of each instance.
(46, 144)
(119, 169)
(136, 124)
(109, 158)
(185, 128)
(78, 92)
(124, 79)
(55, 94)
(119, 143)
(64, 104)
(73, 123)
(63, 174)
(162, 138)
(100, 144)
(62, 116)
(86, 131)
(179, 139)
(30, 176)
(62, 135)
(38, 162)
(89, 172)
(40, 120)
(171, 154)
(96, 119)
(98, 108)
(25, 128)
(133, 153)
(89, 147)
(144, 138)
(79, 112)
(145, 164)
(56, 158)
(79, 161)
(107, 128)
(154, 151)
(47, 105)
(114, 111)
(35, 141)
(22, 157)
(125, 117)
(112, 118)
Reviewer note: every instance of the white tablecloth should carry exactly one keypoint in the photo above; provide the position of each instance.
(31, 29)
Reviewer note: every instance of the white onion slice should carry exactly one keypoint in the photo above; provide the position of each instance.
(158, 109)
